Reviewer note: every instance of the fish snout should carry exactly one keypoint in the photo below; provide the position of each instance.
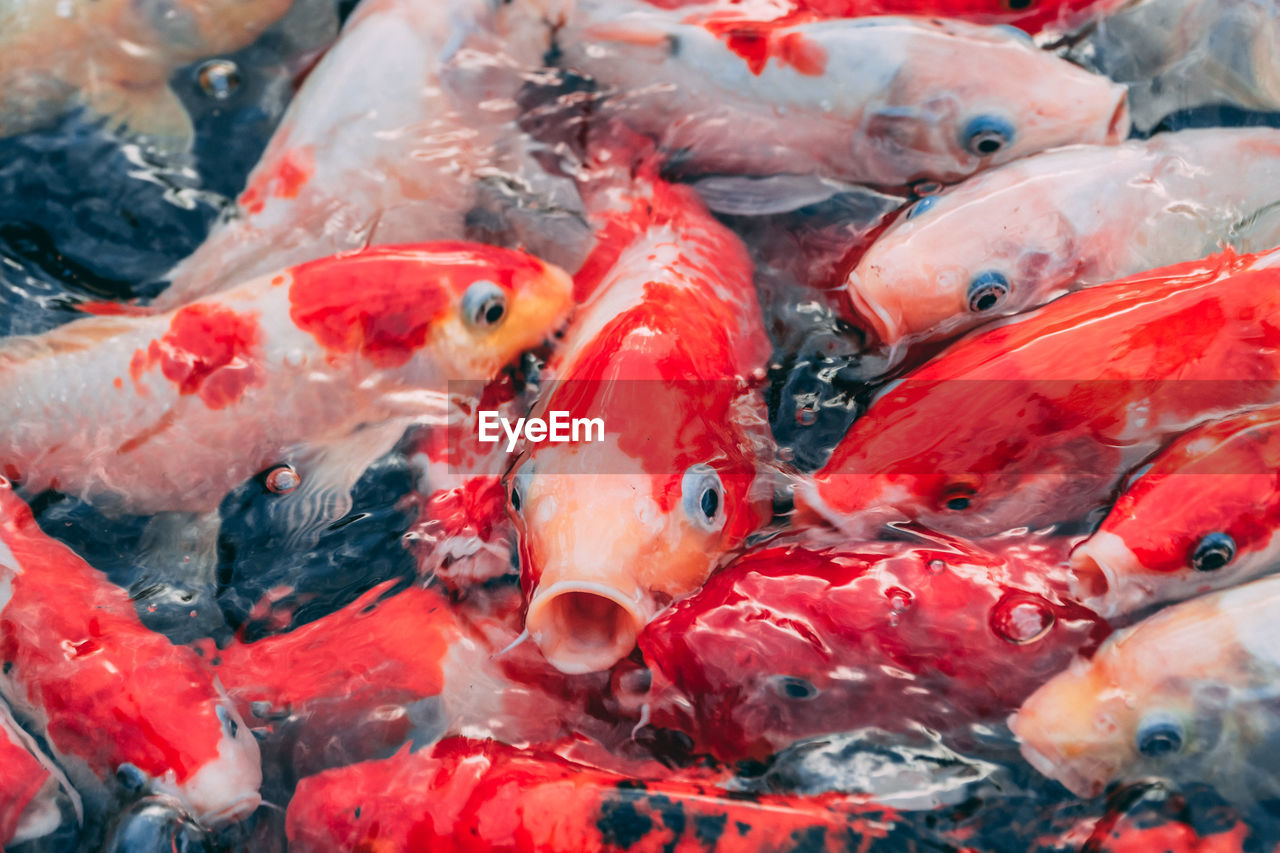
(873, 307)
(586, 626)
(1102, 569)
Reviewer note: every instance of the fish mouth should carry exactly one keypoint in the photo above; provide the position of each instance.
(877, 320)
(1105, 577)
(1075, 776)
(236, 810)
(583, 626)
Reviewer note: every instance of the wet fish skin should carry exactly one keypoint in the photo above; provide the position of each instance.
(1187, 695)
(1023, 234)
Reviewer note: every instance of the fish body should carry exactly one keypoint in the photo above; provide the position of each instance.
(112, 699)
(1018, 236)
(1183, 54)
(661, 353)
(1032, 17)
(1187, 695)
(481, 795)
(384, 143)
(1036, 421)
(881, 101)
(1202, 516)
(321, 366)
(116, 57)
(788, 643)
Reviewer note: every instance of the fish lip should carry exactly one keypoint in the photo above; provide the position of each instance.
(631, 617)
(1052, 765)
(882, 325)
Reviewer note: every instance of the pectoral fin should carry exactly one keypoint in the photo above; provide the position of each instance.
(154, 114)
(328, 471)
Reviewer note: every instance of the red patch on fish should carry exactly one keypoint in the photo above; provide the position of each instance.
(209, 351)
(759, 41)
(285, 179)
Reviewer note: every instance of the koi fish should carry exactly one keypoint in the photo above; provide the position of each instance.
(880, 101)
(384, 143)
(112, 699)
(31, 786)
(661, 350)
(1187, 694)
(482, 795)
(1035, 422)
(390, 667)
(116, 58)
(1062, 16)
(1200, 517)
(321, 367)
(1020, 235)
(1182, 54)
(789, 643)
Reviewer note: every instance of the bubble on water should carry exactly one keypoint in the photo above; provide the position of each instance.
(806, 416)
(219, 78)
(282, 479)
(1021, 619)
(936, 566)
(899, 599)
(787, 453)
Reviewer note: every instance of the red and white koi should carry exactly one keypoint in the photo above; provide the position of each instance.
(882, 101)
(1020, 235)
(385, 141)
(322, 367)
(663, 349)
(111, 698)
(1201, 516)
(1037, 421)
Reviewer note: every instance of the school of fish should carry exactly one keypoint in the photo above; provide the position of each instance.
(743, 425)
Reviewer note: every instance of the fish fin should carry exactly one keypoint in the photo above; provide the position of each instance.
(639, 32)
(70, 337)
(329, 470)
(155, 115)
(1256, 232)
(744, 195)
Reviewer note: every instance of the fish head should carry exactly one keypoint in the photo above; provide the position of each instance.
(1203, 517)
(1105, 720)
(605, 544)
(457, 309)
(955, 260)
(224, 787)
(986, 96)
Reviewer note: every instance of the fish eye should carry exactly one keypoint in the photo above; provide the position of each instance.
(1213, 552)
(520, 486)
(792, 687)
(484, 305)
(921, 206)
(958, 497)
(987, 291)
(987, 135)
(229, 725)
(282, 479)
(1159, 734)
(702, 497)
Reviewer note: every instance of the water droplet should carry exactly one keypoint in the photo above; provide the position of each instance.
(1021, 619)
(899, 599)
(937, 566)
(219, 78)
(787, 454)
(282, 480)
(806, 416)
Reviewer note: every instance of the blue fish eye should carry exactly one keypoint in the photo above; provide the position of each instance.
(921, 206)
(1159, 734)
(986, 135)
(987, 291)
(1213, 552)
